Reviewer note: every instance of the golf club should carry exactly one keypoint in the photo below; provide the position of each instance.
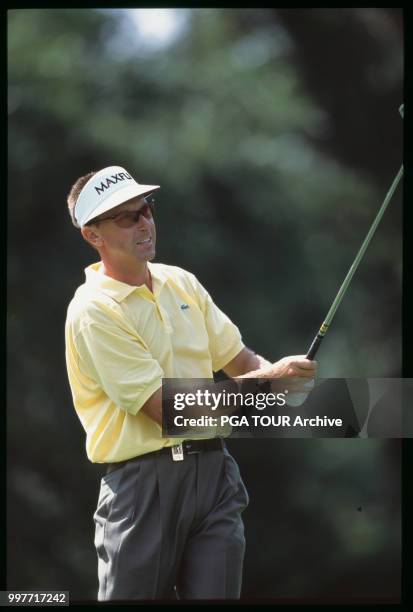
(315, 345)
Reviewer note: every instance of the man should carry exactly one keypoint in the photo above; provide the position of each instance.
(168, 516)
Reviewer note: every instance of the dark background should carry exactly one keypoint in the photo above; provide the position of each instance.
(275, 135)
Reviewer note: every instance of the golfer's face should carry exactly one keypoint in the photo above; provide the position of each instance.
(125, 233)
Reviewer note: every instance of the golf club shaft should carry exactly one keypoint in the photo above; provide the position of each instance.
(337, 300)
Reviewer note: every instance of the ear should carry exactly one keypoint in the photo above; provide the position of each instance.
(91, 234)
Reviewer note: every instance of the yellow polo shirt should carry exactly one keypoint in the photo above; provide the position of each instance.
(121, 340)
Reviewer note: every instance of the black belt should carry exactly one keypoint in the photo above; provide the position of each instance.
(177, 452)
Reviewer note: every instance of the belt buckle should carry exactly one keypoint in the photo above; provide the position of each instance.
(177, 452)
(189, 450)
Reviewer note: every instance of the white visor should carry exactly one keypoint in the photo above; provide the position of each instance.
(105, 190)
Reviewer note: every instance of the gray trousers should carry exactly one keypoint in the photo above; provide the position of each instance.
(169, 528)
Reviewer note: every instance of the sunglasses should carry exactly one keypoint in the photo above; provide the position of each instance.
(128, 218)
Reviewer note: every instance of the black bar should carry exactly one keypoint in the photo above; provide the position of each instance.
(314, 347)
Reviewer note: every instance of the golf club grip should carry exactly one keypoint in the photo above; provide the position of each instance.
(314, 347)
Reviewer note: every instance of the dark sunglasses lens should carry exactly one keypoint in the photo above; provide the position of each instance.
(127, 219)
(149, 199)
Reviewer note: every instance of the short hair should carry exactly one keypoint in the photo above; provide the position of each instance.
(74, 194)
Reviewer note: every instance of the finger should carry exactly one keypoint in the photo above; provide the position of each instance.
(301, 362)
(301, 388)
(304, 371)
(300, 372)
(292, 384)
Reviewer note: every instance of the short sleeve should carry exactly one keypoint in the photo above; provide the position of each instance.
(225, 340)
(119, 364)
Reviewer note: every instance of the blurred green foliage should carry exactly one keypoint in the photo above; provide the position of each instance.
(251, 120)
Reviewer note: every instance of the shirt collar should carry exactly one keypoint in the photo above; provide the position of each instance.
(117, 289)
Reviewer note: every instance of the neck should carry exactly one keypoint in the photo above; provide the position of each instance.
(135, 275)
